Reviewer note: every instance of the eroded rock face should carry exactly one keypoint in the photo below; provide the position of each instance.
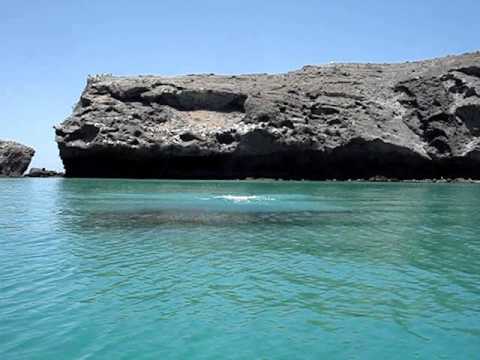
(411, 120)
(14, 158)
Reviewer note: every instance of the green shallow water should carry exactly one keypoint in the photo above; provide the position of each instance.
(115, 269)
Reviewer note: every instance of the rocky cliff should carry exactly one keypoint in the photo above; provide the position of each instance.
(403, 121)
(14, 158)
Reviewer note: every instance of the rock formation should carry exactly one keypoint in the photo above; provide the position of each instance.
(14, 158)
(37, 172)
(403, 121)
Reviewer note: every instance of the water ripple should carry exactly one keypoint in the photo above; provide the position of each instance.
(152, 269)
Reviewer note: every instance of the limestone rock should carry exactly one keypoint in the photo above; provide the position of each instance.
(402, 121)
(14, 158)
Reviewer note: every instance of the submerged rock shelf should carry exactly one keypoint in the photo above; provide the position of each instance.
(414, 120)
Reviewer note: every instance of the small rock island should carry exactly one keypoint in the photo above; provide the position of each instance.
(416, 120)
(14, 158)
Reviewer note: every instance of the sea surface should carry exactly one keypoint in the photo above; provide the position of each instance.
(129, 269)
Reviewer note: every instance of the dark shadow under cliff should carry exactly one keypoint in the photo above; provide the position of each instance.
(356, 161)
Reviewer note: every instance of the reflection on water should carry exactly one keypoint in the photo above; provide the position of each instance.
(142, 269)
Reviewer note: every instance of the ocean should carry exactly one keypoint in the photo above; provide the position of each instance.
(132, 269)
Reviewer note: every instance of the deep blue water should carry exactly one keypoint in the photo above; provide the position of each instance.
(116, 269)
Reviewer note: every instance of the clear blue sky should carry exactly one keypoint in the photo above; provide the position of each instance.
(48, 47)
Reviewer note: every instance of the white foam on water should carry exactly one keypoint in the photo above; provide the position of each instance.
(244, 198)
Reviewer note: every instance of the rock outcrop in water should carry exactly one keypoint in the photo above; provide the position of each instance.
(405, 121)
(14, 158)
(43, 173)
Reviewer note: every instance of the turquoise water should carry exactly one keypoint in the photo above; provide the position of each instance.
(115, 269)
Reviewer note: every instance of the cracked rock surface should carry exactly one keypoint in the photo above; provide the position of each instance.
(14, 158)
(338, 121)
